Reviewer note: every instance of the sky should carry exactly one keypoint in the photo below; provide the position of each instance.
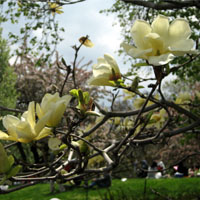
(83, 19)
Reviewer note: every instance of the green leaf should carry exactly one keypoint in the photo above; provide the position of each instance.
(13, 171)
(135, 83)
(74, 92)
(140, 64)
(81, 98)
(4, 161)
(86, 97)
(63, 146)
(11, 160)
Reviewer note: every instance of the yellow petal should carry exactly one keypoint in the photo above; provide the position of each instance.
(139, 53)
(57, 113)
(54, 143)
(4, 136)
(66, 99)
(100, 81)
(182, 46)
(156, 43)
(160, 60)
(10, 120)
(101, 69)
(44, 133)
(110, 60)
(139, 30)
(86, 42)
(39, 111)
(160, 26)
(42, 122)
(31, 114)
(179, 29)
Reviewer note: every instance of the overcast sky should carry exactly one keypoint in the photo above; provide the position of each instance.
(83, 19)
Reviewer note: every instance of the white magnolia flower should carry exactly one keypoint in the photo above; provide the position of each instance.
(25, 129)
(105, 72)
(160, 42)
(54, 106)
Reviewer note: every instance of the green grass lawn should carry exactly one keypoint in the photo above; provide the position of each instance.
(179, 188)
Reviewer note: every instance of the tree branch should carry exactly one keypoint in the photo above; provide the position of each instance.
(166, 5)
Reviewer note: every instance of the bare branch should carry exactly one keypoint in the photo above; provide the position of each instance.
(165, 5)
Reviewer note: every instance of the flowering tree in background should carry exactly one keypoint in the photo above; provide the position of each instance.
(71, 135)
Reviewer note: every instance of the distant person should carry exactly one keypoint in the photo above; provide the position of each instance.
(161, 167)
(143, 170)
(152, 170)
(181, 171)
(191, 172)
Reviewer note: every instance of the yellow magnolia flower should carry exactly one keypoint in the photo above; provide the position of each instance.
(54, 106)
(25, 129)
(54, 144)
(86, 42)
(105, 72)
(130, 95)
(160, 42)
(55, 8)
(158, 119)
(138, 103)
(183, 98)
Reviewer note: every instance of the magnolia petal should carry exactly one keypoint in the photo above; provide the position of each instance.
(100, 60)
(47, 99)
(94, 113)
(112, 62)
(10, 120)
(31, 114)
(42, 122)
(138, 103)
(160, 26)
(182, 45)
(24, 132)
(102, 69)
(66, 99)
(156, 43)
(139, 53)
(57, 112)
(54, 143)
(4, 136)
(86, 42)
(44, 133)
(126, 47)
(179, 29)
(59, 11)
(99, 81)
(160, 60)
(139, 30)
(39, 111)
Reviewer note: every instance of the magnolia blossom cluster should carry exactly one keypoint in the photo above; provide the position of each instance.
(105, 72)
(29, 128)
(157, 43)
(161, 41)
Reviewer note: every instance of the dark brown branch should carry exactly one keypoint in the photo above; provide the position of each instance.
(165, 5)
(169, 133)
(2, 108)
